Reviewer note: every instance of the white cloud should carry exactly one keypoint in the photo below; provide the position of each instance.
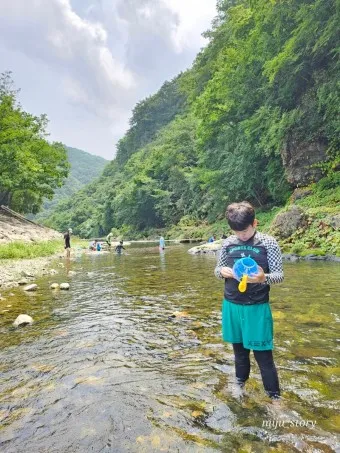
(53, 33)
(87, 62)
(194, 18)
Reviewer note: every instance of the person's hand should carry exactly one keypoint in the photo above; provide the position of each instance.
(227, 272)
(258, 278)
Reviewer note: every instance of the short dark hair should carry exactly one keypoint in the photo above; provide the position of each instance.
(240, 215)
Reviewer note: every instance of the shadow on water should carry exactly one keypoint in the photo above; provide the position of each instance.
(131, 360)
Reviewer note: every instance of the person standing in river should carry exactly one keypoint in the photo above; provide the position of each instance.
(108, 239)
(161, 243)
(67, 240)
(247, 320)
(119, 248)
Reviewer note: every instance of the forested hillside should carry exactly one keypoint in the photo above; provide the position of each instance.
(256, 116)
(84, 167)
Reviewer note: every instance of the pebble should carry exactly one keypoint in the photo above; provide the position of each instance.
(22, 319)
(32, 287)
(65, 286)
(27, 274)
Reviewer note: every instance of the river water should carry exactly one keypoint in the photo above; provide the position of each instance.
(130, 359)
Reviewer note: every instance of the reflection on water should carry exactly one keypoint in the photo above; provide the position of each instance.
(131, 360)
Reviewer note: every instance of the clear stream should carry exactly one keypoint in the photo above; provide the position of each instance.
(130, 359)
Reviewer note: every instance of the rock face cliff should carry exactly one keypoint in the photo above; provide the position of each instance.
(14, 227)
(299, 160)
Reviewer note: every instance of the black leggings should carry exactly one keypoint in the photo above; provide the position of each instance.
(266, 364)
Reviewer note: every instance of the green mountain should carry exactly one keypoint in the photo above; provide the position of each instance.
(85, 167)
(255, 117)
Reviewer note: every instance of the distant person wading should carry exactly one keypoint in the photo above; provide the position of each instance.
(67, 240)
(119, 248)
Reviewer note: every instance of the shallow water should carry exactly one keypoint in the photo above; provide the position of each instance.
(131, 360)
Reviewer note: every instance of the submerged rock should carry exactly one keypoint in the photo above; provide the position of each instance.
(32, 287)
(336, 259)
(27, 274)
(54, 286)
(179, 314)
(312, 257)
(22, 320)
(222, 419)
(23, 282)
(290, 257)
(64, 286)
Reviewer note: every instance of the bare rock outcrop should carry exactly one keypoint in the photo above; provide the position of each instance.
(299, 160)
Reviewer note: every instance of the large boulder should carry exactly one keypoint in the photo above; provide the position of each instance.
(22, 320)
(287, 222)
(299, 160)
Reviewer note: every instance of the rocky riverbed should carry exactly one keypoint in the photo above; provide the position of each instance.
(131, 359)
(15, 272)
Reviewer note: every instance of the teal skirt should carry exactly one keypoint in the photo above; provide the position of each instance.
(251, 325)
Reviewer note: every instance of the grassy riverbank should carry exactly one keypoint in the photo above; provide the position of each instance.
(24, 250)
(20, 250)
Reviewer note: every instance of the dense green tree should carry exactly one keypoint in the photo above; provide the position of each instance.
(30, 167)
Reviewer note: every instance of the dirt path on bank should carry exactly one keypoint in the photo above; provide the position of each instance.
(14, 227)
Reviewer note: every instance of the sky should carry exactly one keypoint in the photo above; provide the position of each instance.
(86, 63)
